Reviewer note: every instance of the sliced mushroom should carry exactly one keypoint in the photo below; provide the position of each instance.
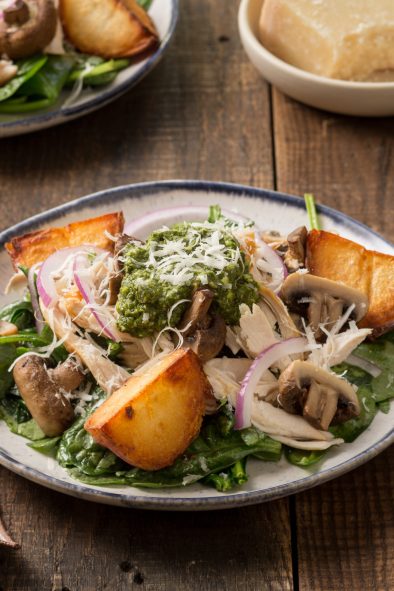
(208, 342)
(7, 328)
(42, 390)
(321, 397)
(203, 333)
(296, 252)
(195, 316)
(321, 300)
(27, 27)
(115, 280)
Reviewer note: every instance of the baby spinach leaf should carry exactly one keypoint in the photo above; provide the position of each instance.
(302, 457)
(19, 313)
(95, 71)
(26, 70)
(381, 353)
(46, 445)
(13, 406)
(8, 353)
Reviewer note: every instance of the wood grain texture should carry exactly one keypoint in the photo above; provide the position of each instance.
(347, 162)
(81, 546)
(344, 529)
(203, 113)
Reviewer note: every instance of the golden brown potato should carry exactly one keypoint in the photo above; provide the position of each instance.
(154, 416)
(339, 259)
(37, 246)
(108, 28)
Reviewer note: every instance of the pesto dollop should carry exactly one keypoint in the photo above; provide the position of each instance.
(171, 265)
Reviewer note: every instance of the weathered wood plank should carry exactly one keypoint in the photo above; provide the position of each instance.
(345, 529)
(346, 162)
(67, 543)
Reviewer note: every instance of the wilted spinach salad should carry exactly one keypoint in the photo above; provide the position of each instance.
(160, 359)
(47, 46)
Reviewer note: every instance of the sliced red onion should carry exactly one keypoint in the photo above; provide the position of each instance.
(275, 261)
(45, 283)
(142, 226)
(81, 263)
(38, 317)
(364, 364)
(243, 407)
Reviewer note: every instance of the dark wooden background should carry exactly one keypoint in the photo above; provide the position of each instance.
(205, 113)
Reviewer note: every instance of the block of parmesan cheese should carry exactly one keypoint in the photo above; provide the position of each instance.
(345, 39)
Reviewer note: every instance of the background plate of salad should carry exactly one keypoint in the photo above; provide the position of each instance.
(266, 480)
(53, 88)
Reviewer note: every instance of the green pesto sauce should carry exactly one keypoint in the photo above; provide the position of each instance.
(145, 299)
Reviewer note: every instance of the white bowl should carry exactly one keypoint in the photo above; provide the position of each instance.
(367, 99)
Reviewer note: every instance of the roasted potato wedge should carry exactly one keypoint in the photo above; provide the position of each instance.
(339, 259)
(37, 246)
(154, 416)
(108, 28)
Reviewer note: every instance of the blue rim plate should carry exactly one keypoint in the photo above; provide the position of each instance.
(267, 481)
(165, 15)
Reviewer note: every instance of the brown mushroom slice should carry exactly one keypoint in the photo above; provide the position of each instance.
(207, 343)
(203, 333)
(43, 395)
(116, 277)
(321, 397)
(296, 253)
(27, 28)
(323, 301)
(196, 314)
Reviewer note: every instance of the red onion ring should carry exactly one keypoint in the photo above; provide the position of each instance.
(45, 284)
(86, 292)
(142, 226)
(243, 407)
(274, 260)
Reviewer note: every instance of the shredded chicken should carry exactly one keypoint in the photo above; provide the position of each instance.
(107, 374)
(225, 376)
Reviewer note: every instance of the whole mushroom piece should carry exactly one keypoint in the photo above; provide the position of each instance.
(43, 389)
(320, 396)
(321, 300)
(27, 27)
(203, 333)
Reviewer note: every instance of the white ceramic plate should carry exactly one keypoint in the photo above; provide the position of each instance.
(165, 15)
(349, 98)
(266, 480)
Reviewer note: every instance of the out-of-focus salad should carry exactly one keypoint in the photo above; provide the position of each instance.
(48, 45)
(171, 349)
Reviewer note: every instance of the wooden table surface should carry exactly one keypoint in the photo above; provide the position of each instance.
(205, 113)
